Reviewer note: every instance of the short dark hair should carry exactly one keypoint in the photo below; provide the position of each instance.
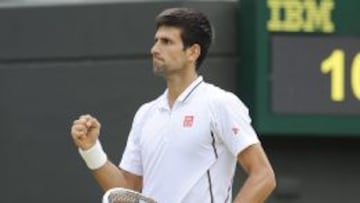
(195, 27)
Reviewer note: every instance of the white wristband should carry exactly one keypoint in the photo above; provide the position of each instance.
(94, 157)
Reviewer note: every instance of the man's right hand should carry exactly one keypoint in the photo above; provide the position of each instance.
(85, 131)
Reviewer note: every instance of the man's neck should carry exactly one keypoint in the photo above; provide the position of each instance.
(177, 84)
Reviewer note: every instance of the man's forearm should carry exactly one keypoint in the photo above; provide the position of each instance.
(109, 176)
(256, 189)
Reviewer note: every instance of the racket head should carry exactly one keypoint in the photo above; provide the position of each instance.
(123, 195)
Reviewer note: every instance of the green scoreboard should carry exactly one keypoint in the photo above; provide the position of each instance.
(299, 68)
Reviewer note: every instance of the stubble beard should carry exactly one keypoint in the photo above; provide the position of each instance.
(158, 70)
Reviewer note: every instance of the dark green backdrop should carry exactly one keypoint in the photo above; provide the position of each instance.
(60, 61)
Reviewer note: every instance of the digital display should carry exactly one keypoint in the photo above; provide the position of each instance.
(300, 66)
(315, 75)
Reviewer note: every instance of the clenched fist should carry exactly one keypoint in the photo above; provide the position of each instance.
(85, 131)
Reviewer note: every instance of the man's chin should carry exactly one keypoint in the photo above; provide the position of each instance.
(158, 71)
(160, 74)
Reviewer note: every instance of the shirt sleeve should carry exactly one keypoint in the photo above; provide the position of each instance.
(131, 159)
(232, 123)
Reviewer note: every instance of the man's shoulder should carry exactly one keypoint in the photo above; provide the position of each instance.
(218, 97)
(150, 104)
(217, 94)
(145, 109)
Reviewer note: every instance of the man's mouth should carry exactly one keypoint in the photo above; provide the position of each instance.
(157, 59)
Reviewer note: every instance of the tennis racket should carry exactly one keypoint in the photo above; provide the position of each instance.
(122, 195)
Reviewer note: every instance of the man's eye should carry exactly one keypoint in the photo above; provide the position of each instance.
(166, 41)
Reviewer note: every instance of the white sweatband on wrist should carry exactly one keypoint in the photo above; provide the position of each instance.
(94, 157)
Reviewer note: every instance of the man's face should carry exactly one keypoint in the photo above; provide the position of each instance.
(168, 52)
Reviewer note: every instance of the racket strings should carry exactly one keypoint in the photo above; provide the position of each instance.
(124, 197)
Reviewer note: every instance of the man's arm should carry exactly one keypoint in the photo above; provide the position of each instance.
(85, 133)
(109, 176)
(261, 178)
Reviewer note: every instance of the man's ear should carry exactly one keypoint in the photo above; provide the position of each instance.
(194, 52)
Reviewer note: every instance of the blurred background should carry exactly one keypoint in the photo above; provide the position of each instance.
(295, 63)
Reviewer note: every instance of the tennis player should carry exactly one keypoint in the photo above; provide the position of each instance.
(183, 146)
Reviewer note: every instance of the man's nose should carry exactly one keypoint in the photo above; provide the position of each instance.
(154, 49)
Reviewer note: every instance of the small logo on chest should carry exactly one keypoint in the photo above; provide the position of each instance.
(188, 121)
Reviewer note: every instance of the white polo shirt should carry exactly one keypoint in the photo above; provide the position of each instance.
(188, 154)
